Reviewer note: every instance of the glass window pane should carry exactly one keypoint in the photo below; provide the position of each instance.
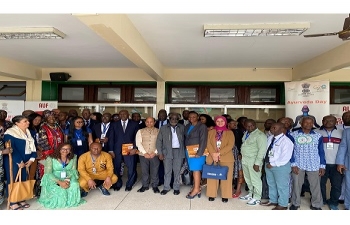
(181, 95)
(108, 94)
(145, 94)
(222, 95)
(73, 93)
(262, 95)
(342, 96)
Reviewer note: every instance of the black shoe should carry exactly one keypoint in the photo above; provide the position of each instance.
(314, 208)
(160, 184)
(293, 207)
(211, 199)
(176, 192)
(164, 192)
(156, 190)
(224, 200)
(103, 190)
(341, 201)
(128, 188)
(302, 194)
(83, 194)
(143, 189)
(246, 188)
(116, 188)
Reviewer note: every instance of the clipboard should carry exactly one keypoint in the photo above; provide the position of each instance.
(192, 150)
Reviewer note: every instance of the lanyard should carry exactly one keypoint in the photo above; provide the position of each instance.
(247, 135)
(77, 135)
(277, 140)
(64, 164)
(329, 134)
(105, 128)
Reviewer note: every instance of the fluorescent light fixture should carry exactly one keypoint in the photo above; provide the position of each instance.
(30, 33)
(253, 30)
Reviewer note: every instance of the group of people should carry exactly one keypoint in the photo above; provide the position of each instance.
(69, 155)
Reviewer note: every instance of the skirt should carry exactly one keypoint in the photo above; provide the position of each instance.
(195, 164)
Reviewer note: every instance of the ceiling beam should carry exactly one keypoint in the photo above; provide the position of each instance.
(330, 61)
(18, 70)
(119, 32)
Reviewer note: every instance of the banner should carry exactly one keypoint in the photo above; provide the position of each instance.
(12, 107)
(40, 106)
(338, 110)
(307, 99)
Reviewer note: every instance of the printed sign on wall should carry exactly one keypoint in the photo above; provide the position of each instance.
(40, 106)
(307, 98)
(338, 110)
(12, 107)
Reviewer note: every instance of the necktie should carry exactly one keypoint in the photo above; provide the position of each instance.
(267, 158)
(161, 124)
(124, 126)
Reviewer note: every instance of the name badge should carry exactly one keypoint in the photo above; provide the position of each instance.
(93, 170)
(59, 139)
(270, 153)
(79, 142)
(330, 145)
(218, 144)
(103, 136)
(63, 174)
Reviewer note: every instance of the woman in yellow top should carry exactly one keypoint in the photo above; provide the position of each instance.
(220, 143)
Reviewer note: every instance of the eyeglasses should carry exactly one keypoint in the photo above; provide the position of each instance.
(79, 121)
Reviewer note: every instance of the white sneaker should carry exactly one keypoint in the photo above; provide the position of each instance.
(247, 197)
(253, 202)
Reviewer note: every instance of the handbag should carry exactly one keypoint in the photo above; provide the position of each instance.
(216, 172)
(19, 190)
(186, 177)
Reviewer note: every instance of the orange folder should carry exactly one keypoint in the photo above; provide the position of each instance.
(126, 148)
(192, 150)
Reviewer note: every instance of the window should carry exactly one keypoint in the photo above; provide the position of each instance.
(222, 95)
(341, 96)
(262, 95)
(145, 94)
(183, 95)
(72, 94)
(108, 94)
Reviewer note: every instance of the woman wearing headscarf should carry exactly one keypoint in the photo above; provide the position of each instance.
(23, 155)
(220, 144)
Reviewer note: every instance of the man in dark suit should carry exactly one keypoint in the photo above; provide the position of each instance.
(137, 118)
(101, 131)
(87, 121)
(123, 132)
(184, 120)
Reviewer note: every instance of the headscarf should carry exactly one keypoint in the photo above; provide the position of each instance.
(217, 128)
(47, 113)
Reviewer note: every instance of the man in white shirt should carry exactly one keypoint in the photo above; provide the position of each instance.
(277, 167)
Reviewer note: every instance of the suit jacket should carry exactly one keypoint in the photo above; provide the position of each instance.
(343, 155)
(117, 136)
(198, 135)
(164, 141)
(157, 123)
(97, 132)
(227, 144)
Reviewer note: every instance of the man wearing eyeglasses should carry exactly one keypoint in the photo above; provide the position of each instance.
(170, 146)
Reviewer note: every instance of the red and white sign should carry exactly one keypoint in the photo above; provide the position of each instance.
(39, 106)
(12, 107)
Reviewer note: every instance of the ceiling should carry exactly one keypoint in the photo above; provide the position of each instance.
(175, 39)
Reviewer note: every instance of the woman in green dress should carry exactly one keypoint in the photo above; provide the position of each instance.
(59, 185)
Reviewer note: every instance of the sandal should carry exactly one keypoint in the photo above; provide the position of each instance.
(13, 206)
(236, 195)
(24, 204)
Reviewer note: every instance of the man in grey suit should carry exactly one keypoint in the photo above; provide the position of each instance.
(343, 164)
(170, 146)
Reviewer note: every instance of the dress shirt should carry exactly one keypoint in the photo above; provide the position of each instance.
(282, 150)
(174, 139)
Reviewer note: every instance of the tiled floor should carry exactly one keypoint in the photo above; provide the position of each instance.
(133, 200)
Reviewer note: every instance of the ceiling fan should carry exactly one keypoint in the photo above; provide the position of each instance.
(343, 34)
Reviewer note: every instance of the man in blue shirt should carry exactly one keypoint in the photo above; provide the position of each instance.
(308, 158)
